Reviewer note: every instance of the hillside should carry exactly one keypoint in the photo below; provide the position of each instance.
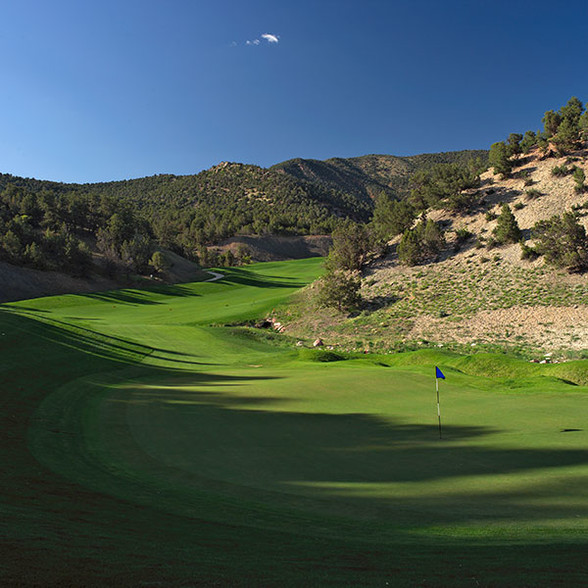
(220, 202)
(475, 295)
(23, 283)
(369, 175)
(110, 230)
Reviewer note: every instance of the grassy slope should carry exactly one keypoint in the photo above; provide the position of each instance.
(145, 446)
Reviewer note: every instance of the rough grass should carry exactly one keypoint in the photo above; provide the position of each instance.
(145, 447)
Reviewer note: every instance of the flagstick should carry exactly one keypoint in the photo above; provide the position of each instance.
(438, 405)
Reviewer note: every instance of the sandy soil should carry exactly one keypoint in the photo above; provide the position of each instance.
(550, 328)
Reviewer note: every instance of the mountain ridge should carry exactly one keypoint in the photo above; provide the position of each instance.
(366, 176)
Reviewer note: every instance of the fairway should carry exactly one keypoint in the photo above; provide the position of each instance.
(148, 443)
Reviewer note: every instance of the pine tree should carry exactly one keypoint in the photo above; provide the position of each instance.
(514, 143)
(529, 141)
(500, 159)
(410, 248)
(583, 125)
(507, 229)
(568, 136)
(422, 243)
(579, 177)
(562, 239)
(432, 237)
(572, 110)
(391, 217)
(551, 122)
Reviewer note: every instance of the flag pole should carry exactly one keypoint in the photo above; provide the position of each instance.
(438, 405)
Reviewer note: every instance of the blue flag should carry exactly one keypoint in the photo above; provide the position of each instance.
(439, 373)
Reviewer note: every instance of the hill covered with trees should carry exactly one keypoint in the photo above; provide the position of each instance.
(368, 176)
(51, 225)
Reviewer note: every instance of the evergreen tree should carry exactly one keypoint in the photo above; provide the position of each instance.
(583, 125)
(572, 110)
(34, 257)
(551, 121)
(442, 185)
(500, 159)
(420, 244)
(391, 217)
(562, 239)
(339, 289)
(507, 229)
(514, 143)
(351, 245)
(528, 142)
(579, 177)
(568, 136)
(159, 262)
(432, 237)
(11, 247)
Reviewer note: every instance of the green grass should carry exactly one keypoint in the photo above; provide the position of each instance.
(144, 446)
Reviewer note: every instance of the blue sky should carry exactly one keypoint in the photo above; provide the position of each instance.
(98, 91)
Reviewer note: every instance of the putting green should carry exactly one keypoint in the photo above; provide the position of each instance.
(175, 452)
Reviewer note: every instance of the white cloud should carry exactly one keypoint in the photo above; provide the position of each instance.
(270, 38)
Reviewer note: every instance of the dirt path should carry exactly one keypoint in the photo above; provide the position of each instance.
(215, 276)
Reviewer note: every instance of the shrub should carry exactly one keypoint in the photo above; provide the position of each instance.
(159, 262)
(319, 355)
(518, 206)
(527, 252)
(463, 235)
(532, 194)
(561, 170)
(339, 289)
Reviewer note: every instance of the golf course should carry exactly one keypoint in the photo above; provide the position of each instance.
(150, 439)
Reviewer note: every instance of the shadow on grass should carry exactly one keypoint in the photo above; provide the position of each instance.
(290, 471)
(355, 465)
(89, 341)
(248, 278)
(339, 448)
